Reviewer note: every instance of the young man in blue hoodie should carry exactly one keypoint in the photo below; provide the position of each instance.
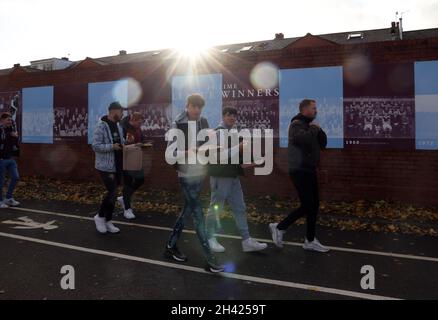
(191, 177)
(225, 187)
(108, 144)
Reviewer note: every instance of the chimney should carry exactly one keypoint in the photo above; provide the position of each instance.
(279, 36)
(400, 28)
(122, 52)
(16, 65)
(393, 31)
(64, 58)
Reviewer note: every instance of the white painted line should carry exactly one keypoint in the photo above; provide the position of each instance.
(280, 283)
(227, 236)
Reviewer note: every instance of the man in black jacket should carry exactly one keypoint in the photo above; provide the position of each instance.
(8, 150)
(305, 140)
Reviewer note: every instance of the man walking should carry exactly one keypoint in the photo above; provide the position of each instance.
(107, 145)
(305, 140)
(225, 186)
(191, 177)
(8, 149)
(132, 180)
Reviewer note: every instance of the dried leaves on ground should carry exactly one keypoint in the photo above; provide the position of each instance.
(373, 216)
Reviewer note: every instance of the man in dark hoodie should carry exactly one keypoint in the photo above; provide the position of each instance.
(108, 146)
(8, 150)
(132, 180)
(305, 140)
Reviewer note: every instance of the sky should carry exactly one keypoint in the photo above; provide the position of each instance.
(39, 29)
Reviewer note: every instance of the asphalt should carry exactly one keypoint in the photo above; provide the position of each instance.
(131, 265)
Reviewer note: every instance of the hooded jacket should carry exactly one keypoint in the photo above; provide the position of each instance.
(304, 144)
(103, 146)
(181, 123)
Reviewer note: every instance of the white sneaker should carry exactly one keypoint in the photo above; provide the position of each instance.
(100, 223)
(250, 245)
(112, 228)
(11, 202)
(3, 205)
(128, 214)
(277, 235)
(121, 202)
(315, 245)
(215, 246)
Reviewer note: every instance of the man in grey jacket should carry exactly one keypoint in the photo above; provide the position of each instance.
(306, 139)
(225, 187)
(108, 146)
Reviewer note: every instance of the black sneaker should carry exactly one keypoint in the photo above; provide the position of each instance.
(175, 254)
(214, 267)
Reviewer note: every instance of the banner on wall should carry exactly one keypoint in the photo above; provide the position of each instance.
(380, 109)
(37, 115)
(10, 101)
(325, 85)
(257, 108)
(426, 105)
(70, 113)
(208, 85)
(100, 95)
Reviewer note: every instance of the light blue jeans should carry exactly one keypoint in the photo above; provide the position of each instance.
(224, 189)
(9, 165)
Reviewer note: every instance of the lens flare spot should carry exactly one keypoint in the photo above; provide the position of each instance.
(264, 76)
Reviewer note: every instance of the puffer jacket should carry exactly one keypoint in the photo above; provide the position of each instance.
(103, 147)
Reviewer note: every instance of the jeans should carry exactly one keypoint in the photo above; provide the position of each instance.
(9, 165)
(111, 181)
(132, 180)
(229, 190)
(306, 184)
(191, 187)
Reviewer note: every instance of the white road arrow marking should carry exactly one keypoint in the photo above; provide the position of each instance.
(26, 223)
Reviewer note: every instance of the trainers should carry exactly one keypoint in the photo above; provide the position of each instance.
(250, 245)
(100, 223)
(277, 235)
(121, 202)
(175, 254)
(111, 228)
(11, 202)
(215, 246)
(315, 245)
(213, 267)
(128, 214)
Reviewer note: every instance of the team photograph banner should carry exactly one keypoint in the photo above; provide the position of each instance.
(208, 85)
(10, 101)
(37, 115)
(157, 118)
(70, 113)
(380, 111)
(100, 95)
(257, 108)
(426, 105)
(325, 85)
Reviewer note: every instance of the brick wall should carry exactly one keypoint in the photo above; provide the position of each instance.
(408, 176)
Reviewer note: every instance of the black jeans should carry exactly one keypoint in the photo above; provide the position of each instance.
(306, 184)
(132, 180)
(111, 181)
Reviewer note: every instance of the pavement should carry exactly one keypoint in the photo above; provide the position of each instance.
(39, 238)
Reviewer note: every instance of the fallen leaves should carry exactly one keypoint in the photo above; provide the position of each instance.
(372, 216)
